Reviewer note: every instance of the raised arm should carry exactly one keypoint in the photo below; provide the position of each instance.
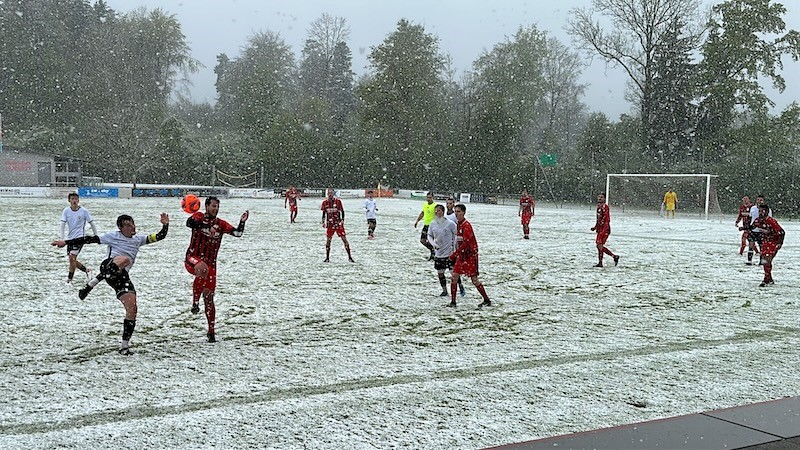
(155, 237)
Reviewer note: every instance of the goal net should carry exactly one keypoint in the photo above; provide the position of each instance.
(249, 180)
(697, 193)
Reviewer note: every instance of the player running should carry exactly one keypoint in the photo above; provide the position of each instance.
(371, 210)
(744, 219)
(465, 258)
(123, 246)
(772, 236)
(603, 229)
(201, 257)
(526, 211)
(74, 218)
(426, 216)
(291, 197)
(333, 221)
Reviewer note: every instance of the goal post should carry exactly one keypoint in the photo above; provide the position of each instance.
(645, 191)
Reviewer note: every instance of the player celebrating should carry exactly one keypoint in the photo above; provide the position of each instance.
(75, 218)
(291, 197)
(771, 240)
(466, 258)
(426, 216)
(526, 207)
(201, 257)
(371, 209)
(670, 200)
(744, 218)
(603, 229)
(333, 221)
(123, 246)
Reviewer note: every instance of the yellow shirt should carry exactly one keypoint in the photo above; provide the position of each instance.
(429, 213)
(670, 198)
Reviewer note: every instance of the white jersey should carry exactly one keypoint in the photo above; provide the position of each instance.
(370, 208)
(76, 221)
(451, 217)
(119, 245)
(442, 235)
(754, 216)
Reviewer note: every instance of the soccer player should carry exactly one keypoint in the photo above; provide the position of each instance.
(526, 208)
(426, 216)
(603, 229)
(744, 218)
(201, 257)
(371, 209)
(123, 246)
(74, 218)
(465, 258)
(450, 214)
(771, 240)
(442, 236)
(333, 221)
(754, 233)
(291, 197)
(670, 200)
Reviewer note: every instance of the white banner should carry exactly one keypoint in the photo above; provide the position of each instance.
(40, 192)
(464, 198)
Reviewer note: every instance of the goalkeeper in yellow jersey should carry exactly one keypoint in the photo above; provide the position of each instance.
(670, 200)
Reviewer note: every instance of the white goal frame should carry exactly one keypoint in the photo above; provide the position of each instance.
(707, 177)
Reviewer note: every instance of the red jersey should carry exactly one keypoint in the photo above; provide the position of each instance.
(771, 231)
(292, 196)
(603, 224)
(206, 236)
(334, 212)
(466, 244)
(744, 215)
(527, 204)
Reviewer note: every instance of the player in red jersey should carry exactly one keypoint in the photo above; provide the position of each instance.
(526, 208)
(333, 221)
(291, 197)
(466, 258)
(744, 218)
(603, 229)
(771, 240)
(201, 256)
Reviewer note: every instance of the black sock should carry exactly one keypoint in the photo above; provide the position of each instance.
(127, 329)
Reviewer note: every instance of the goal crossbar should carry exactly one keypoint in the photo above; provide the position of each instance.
(707, 177)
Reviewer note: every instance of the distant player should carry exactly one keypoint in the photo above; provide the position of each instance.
(123, 246)
(426, 216)
(333, 221)
(526, 211)
(744, 219)
(754, 235)
(465, 258)
(74, 218)
(371, 211)
(201, 257)
(670, 200)
(450, 213)
(291, 197)
(772, 236)
(603, 229)
(442, 236)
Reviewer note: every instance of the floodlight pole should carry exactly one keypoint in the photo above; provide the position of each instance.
(608, 182)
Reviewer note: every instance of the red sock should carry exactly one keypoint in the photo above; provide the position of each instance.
(600, 255)
(480, 289)
(607, 251)
(211, 314)
(767, 272)
(453, 289)
(197, 289)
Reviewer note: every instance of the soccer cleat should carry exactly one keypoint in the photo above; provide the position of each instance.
(69, 281)
(84, 291)
(451, 304)
(444, 294)
(485, 303)
(195, 308)
(327, 260)
(351, 260)
(125, 351)
(616, 259)
(771, 281)
(598, 265)
(211, 337)
(763, 284)
(526, 237)
(749, 263)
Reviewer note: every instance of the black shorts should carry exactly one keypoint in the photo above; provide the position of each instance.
(443, 263)
(424, 235)
(120, 281)
(372, 221)
(74, 248)
(754, 236)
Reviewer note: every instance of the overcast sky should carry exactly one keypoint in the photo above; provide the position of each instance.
(465, 28)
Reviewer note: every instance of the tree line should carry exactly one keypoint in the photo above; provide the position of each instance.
(82, 80)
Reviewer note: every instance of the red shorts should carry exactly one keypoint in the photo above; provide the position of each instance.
(466, 266)
(602, 237)
(210, 281)
(526, 218)
(339, 231)
(768, 248)
(293, 208)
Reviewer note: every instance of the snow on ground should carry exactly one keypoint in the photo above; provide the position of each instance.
(365, 355)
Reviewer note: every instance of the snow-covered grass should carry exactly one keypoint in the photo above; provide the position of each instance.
(365, 355)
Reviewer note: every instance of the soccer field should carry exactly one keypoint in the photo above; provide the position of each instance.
(365, 355)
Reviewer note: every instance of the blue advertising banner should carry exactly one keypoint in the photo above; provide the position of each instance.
(98, 192)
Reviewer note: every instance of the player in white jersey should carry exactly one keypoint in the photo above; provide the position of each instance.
(123, 246)
(442, 236)
(754, 236)
(74, 220)
(371, 209)
(450, 213)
